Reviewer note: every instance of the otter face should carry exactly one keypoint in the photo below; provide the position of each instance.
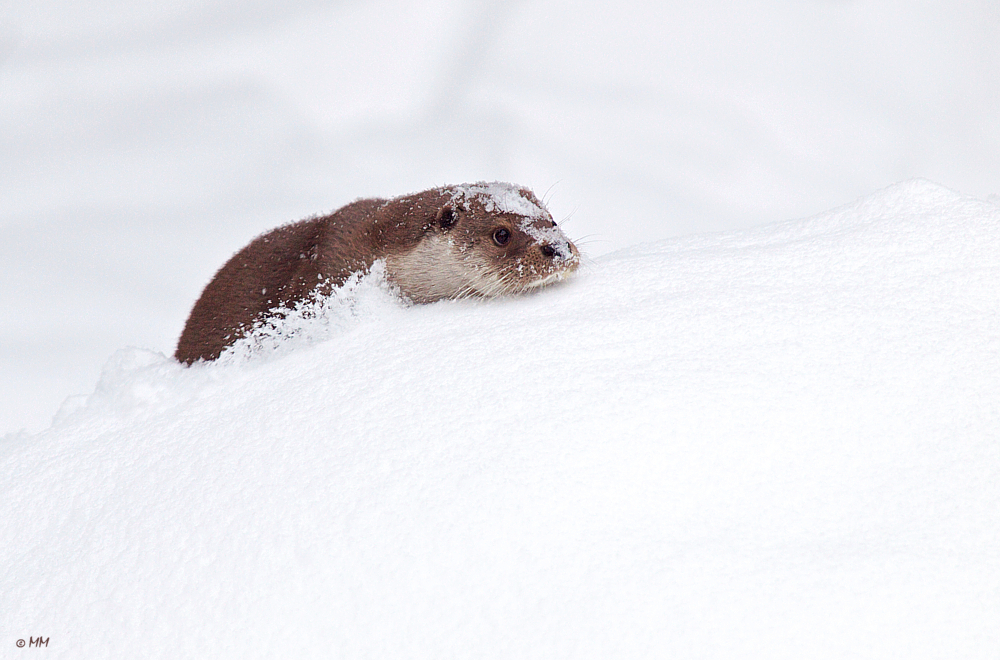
(487, 239)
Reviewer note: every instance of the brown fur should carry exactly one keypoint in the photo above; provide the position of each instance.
(436, 244)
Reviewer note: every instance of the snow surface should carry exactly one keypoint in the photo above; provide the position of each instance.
(143, 143)
(773, 443)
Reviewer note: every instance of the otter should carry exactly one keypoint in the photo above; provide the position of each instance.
(471, 240)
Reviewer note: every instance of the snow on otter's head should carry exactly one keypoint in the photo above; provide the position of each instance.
(487, 239)
(500, 197)
(536, 252)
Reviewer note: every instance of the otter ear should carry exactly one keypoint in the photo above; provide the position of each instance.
(447, 217)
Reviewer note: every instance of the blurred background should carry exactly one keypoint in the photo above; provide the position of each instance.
(142, 143)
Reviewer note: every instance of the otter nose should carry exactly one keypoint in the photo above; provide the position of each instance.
(549, 251)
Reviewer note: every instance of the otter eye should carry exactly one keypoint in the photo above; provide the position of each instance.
(447, 217)
(501, 236)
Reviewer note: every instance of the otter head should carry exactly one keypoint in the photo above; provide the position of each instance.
(484, 239)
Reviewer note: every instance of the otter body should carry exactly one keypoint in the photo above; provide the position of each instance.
(483, 239)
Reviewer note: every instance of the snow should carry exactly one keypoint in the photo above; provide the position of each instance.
(779, 442)
(728, 435)
(500, 196)
(317, 319)
(142, 144)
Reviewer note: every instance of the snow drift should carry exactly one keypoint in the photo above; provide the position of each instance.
(775, 443)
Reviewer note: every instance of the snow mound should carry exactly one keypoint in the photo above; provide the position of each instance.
(777, 443)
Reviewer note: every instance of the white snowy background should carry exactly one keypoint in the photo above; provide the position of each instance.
(142, 143)
(782, 440)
